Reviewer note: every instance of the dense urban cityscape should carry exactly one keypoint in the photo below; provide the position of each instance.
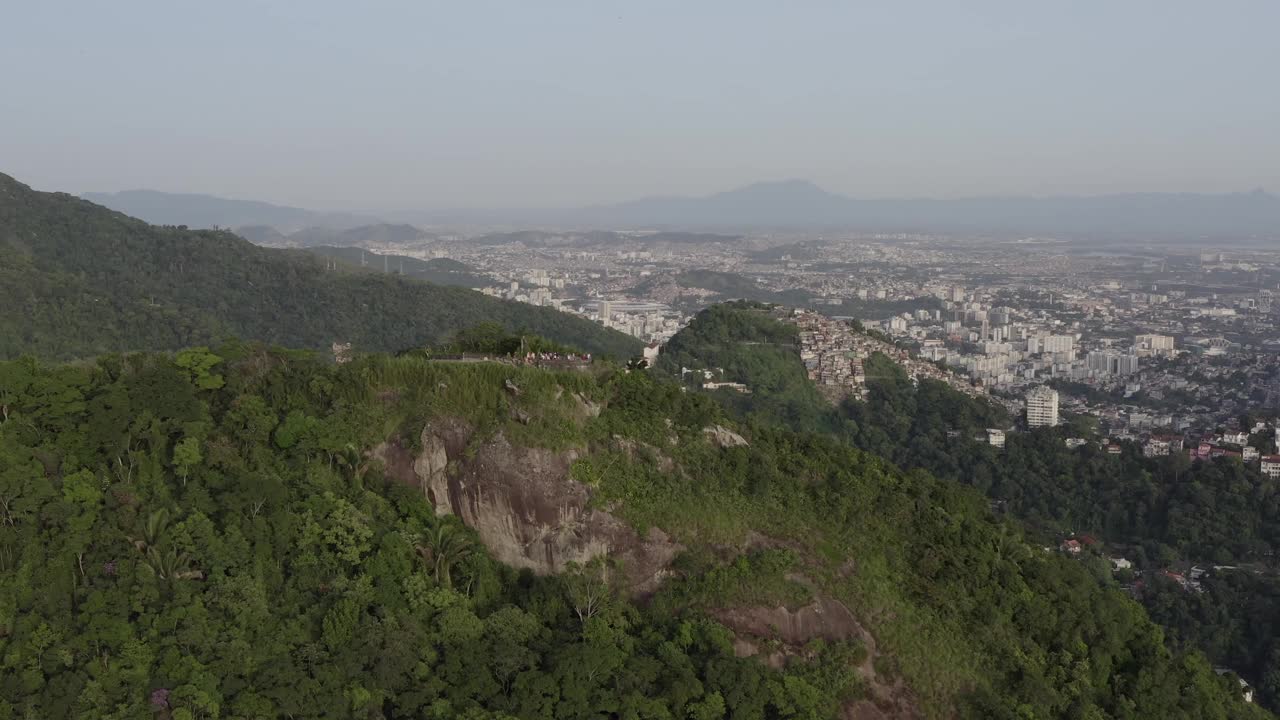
(1167, 345)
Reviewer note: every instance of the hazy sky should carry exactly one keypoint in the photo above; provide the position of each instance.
(336, 104)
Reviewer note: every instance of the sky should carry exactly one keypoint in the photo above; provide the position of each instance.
(372, 105)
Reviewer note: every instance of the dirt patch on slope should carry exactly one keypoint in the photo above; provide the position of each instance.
(777, 634)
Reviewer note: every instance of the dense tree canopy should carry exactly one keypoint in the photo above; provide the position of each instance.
(207, 535)
(1234, 619)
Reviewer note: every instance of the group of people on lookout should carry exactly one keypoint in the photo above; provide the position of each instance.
(538, 358)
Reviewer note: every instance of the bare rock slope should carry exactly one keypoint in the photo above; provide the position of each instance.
(524, 504)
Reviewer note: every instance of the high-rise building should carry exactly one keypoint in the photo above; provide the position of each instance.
(1110, 363)
(1060, 344)
(1042, 407)
(1125, 365)
(1153, 344)
(540, 296)
(1099, 362)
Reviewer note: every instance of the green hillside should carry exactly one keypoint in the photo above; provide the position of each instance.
(248, 533)
(78, 280)
(1219, 511)
(1160, 513)
(440, 271)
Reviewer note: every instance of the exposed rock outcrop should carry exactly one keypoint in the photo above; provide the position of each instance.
(724, 437)
(586, 408)
(523, 503)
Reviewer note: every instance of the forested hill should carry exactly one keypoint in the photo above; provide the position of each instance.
(244, 533)
(1217, 512)
(1162, 514)
(78, 280)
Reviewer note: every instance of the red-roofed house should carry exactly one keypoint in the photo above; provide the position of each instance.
(1271, 466)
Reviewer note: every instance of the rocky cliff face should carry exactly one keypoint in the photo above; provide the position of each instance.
(530, 513)
(523, 503)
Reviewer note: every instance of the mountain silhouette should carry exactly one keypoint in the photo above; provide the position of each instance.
(1251, 216)
(799, 203)
(208, 211)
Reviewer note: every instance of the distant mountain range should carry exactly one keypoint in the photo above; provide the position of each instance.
(787, 204)
(207, 211)
(801, 203)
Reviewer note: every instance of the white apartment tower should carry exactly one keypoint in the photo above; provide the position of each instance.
(1060, 344)
(1042, 407)
(1153, 345)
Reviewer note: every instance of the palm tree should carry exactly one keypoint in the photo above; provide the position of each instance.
(152, 530)
(441, 549)
(351, 458)
(171, 564)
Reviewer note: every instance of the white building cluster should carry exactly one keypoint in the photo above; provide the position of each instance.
(1001, 348)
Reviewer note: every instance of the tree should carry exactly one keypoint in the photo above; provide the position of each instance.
(354, 461)
(591, 587)
(710, 707)
(441, 549)
(169, 564)
(186, 455)
(198, 362)
(152, 530)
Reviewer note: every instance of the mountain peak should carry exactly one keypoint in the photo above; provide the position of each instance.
(795, 187)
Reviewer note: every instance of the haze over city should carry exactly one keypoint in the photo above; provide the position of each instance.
(406, 106)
